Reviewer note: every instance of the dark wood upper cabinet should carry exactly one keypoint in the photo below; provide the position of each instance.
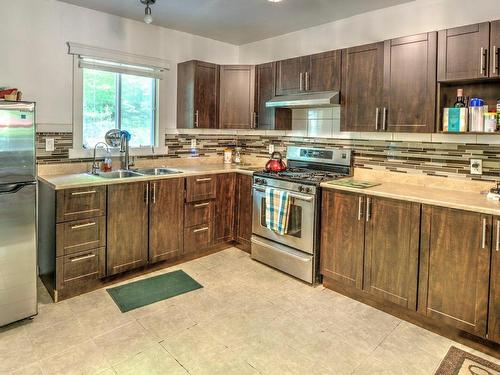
(290, 75)
(495, 49)
(342, 241)
(237, 97)
(455, 267)
(224, 208)
(265, 90)
(463, 52)
(410, 84)
(243, 220)
(127, 227)
(166, 214)
(362, 87)
(391, 251)
(325, 71)
(197, 95)
(494, 310)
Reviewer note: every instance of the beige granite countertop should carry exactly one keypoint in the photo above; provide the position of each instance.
(463, 200)
(78, 180)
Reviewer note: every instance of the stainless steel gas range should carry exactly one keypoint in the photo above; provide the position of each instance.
(296, 252)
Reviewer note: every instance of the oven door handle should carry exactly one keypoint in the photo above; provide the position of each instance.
(291, 195)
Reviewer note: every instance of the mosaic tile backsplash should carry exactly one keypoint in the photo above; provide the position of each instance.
(430, 158)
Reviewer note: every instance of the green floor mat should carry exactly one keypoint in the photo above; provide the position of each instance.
(144, 292)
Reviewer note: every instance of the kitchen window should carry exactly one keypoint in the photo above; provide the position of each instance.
(114, 90)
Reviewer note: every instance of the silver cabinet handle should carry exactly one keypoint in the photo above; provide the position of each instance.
(495, 60)
(301, 81)
(79, 226)
(77, 259)
(307, 81)
(146, 194)
(83, 192)
(360, 208)
(196, 119)
(377, 112)
(200, 205)
(497, 247)
(368, 208)
(384, 118)
(200, 230)
(484, 53)
(154, 193)
(204, 179)
(483, 243)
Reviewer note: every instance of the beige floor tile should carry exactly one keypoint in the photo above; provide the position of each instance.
(124, 342)
(98, 322)
(83, 359)
(32, 369)
(95, 300)
(226, 362)
(188, 345)
(16, 349)
(152, 361)
(166, 322)
(50, 314)
(56, 339)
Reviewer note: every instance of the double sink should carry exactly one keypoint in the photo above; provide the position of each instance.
(138, 173)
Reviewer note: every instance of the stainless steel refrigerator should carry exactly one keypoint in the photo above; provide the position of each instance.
(18, 289)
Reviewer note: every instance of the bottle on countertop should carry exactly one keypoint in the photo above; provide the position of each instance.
(460, 103)
(228, 156)
(237, 155)
(498, 114)
(107, 164)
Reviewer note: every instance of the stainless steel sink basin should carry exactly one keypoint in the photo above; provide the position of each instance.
(119, 174)
(156, 171)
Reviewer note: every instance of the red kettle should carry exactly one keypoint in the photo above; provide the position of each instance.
(276, 163)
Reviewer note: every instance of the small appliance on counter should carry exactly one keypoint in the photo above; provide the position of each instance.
(494, 193)
(276, 163)
(18, 250)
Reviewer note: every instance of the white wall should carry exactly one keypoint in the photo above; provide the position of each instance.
(33, 52)
(402, 20)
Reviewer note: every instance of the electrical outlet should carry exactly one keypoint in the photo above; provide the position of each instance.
(50, 144)
(271, 148)
(193, 143)
(476, 166)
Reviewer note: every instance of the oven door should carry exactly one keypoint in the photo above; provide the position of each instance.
(301, 223)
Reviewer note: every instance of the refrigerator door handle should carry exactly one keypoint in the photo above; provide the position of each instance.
(14, 188)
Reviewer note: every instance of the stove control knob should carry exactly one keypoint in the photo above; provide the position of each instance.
(307, 190)
(301, 188)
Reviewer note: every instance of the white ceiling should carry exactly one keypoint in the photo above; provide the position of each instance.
(239, 21)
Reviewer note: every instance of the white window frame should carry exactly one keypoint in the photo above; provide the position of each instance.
(163, 66)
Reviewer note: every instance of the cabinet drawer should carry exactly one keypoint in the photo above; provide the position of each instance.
(197, 238)
(82, 203)
(198, 213)
(80, 235)
(77, 269)
(200, 188)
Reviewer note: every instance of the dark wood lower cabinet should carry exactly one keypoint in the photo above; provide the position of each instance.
(391, 250)
(494, 308)
(455, 267)
(224, 208)
(244, 204)
(342, 237)
(127, 242)
(166, 219)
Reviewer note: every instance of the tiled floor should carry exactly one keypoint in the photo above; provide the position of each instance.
(248, 319)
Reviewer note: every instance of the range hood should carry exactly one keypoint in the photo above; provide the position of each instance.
(309, 100)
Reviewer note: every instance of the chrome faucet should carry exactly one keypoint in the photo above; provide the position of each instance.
(95, 164)
(125, 149)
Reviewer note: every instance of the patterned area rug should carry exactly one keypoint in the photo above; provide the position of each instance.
(458, 362)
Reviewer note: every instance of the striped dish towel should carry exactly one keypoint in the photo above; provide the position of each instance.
(277, 210)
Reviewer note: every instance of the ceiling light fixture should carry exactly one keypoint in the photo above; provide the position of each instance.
(275, 1)
(148, 18)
